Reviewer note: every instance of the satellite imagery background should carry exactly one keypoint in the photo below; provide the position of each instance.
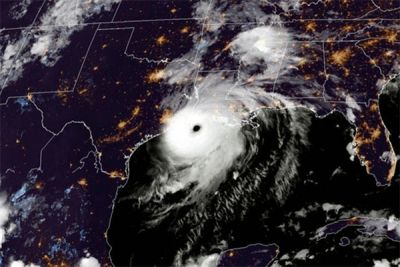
(296, 105)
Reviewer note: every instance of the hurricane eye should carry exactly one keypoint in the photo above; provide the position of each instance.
(196, 128)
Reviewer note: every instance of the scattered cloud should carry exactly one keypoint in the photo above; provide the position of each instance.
(203, 261)
(4, 215)
(263, 44)
(350, 115)
(41, 47)
(89, 262)
(381, 263)
(350, 149)
(290, 5)
(302, 254)
(48, 37)
(20, 263)
(19, 9)
(393, 224)
(352, 103)
(17, 264)
(329, 206)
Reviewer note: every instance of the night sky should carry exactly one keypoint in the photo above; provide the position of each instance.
(68, 129)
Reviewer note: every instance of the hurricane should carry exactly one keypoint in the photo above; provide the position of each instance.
(219, 157)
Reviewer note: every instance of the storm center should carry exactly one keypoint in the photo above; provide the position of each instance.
(196, 128)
